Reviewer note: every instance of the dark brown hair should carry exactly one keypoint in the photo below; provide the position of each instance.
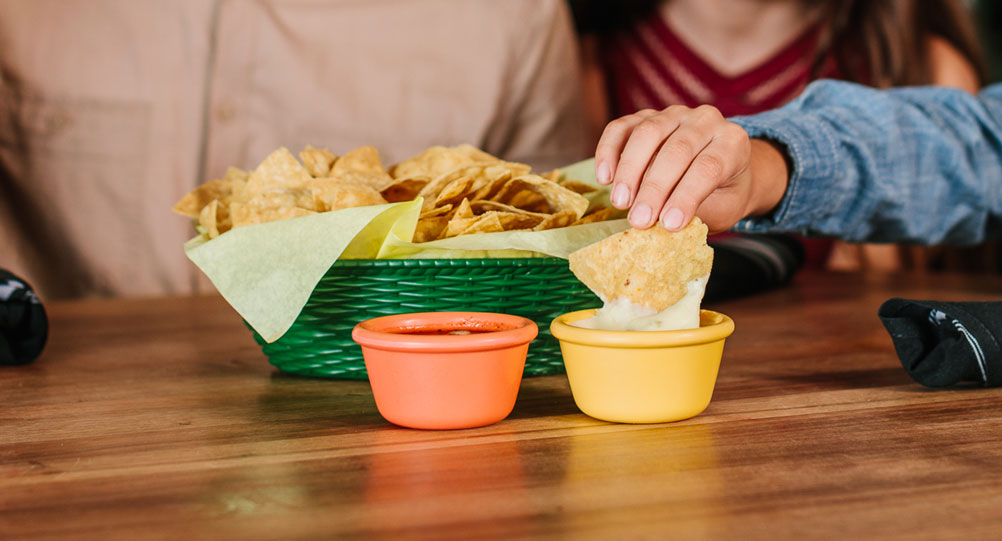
(885, 42)
(877, 42)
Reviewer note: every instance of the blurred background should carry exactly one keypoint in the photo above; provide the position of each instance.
(112, 110)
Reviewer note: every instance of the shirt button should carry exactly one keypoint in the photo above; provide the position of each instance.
(225, 111)
(57, 122)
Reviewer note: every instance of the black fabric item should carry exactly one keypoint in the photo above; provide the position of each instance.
(749, 264)
(946, 343)
(23, 325)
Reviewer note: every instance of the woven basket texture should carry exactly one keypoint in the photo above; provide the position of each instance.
(319, 342)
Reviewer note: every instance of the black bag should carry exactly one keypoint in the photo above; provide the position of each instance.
(23, 325)
(946, 343)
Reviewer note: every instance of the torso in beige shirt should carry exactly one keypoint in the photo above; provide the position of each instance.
(110, 111)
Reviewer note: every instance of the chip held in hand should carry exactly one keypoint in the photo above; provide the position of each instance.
(650, 279)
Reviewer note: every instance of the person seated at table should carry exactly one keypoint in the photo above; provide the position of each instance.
(749, 56)
(111, 111)
(918, 165)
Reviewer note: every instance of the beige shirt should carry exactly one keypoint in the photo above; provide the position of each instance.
(111, 110)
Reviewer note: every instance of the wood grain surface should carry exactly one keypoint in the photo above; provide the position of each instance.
(161, 419)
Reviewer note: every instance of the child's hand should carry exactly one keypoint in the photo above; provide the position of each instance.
(671, 165)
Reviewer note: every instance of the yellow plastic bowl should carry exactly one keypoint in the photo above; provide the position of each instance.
(642, 376)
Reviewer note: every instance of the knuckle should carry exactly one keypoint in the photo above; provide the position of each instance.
(679, 148)
(630, 167)
(735, 131)
(711, 166)
(655, 185)
(735, 134)
(735, 145)
(605, 143)
(708, 111)
(678, 109)
(709, 117)
(688, 208)
(605, 150)
(686, 204)
(743, 145)
(618, 125)
(684, 199)
(651, 127)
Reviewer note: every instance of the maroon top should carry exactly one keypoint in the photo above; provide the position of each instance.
(651, 67)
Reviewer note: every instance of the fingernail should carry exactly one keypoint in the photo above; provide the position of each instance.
(640, 216)
(673, 219)
(603, 174)
(620, 196)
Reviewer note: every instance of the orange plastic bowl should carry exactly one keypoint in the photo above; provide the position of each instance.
(424, 376)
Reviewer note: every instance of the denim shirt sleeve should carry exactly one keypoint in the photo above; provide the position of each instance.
(921, 164)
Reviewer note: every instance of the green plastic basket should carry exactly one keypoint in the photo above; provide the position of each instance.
(319, 342)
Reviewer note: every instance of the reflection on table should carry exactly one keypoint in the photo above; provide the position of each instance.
(161, 418)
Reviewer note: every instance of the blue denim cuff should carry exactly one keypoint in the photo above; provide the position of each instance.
(810, 149)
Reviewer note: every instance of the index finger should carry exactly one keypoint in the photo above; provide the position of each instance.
(613, 141)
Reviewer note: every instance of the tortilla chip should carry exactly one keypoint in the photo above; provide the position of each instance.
(432, 162)
(488, 222)
(438, 183)
(234, 174)
(465, 190)
(552, 175)
(192, 204)
(463, 218)
(405, 189)
(480, 207)
(577, 186)
(496, 179)
(463, 210)
(302, 199)
(244, 214)
(560, 219)
(318, 161)
(559, 199)
(456, 226)
(278, 181)
(360, 160)
(516, 169)
(438, 160)
(332, 194)
(650, 267)
(511, 221)
(278, 172)
(599, 214)
(444, 210)
(238, 184)
(429, 228)
(376, 181)
(362, 165)
(531, 201)
(474, 154)
(454, 191)
(207, 219)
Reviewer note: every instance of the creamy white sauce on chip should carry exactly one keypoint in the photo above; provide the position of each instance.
(623, 315)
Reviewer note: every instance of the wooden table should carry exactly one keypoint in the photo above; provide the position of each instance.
(162, 419)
